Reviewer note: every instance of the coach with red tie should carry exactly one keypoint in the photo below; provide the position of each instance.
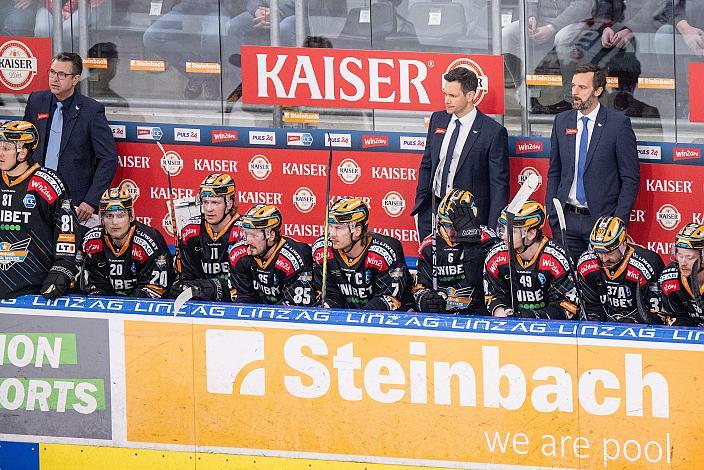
(594, 169)
(464, 149)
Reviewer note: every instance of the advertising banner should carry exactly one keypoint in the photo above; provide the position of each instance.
(696, 92)
(24, 64)
(55, 376)
(339, 78)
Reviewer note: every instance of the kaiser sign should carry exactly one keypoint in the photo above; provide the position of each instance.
(363, 79)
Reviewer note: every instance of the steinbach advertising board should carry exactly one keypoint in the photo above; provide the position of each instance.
(376, 387)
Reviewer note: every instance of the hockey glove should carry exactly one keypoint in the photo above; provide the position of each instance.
(57, 283)
(466, 223)
(205, 289)
(429, 301)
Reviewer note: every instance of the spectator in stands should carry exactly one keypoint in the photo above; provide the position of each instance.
(19, 17)
(550, 23)
(688, 20)
(100, 78)
(44, 20)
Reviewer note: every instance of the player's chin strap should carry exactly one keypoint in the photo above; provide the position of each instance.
(354, 242)
(17, 159)
(524, 247)
(277, 239)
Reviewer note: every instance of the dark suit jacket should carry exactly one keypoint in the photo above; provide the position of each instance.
(611, 173)
(87, 157)
(482, 169)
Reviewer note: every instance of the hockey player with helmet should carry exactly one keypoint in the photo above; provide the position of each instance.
(460, 252)
(365, 270)
(681, 283)
(206, 241)
(124, 257)
(39, 232)
(618, 279)
(538, 275)
(267, 268)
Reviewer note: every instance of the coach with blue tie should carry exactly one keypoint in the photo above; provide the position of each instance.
(75, 138)
(464, 149)
(594, 168)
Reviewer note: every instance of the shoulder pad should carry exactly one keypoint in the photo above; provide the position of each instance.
(95, 232)
(554, 260)
(427, 241)
(47, 184)
(147, 244)
(319, 250)
(487, 234)
(236, 233)
(497, 257)
(588, 263)
(239, 250)
(289, 254)
(93, 246)
(380, 249)
(670, 279)
(191, 229)
(638, 264)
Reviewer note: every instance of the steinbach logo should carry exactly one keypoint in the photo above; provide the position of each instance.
(668, 217)
(393, 203)
(686, 153)
(259, 167)
(131, 187)
(18, 66)
(118, 131)
(299, 139)
(223, 135)
(525, 174)
(370, 141)
(230, 356)
(304, 199)
(149, 133)
(349, 171)
(528, 146)
(171, 163)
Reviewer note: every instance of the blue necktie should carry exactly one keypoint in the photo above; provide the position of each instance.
(583, 147)
(51, 159)
(448, 157)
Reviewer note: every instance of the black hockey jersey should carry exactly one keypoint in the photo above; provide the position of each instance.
(628, 294)
(142, 267)
(542, 286)
(286, 278)
(378, 279)
(459, 271)
(680, 305)
(38, 231)
(204, 255)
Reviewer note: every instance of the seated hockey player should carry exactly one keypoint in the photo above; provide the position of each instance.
(536, 283)
(365, 270)
(206, 241)
(460, 251)
(681, 284)
(39, 234)
(268, 268)
(618, 279)
(122, 256)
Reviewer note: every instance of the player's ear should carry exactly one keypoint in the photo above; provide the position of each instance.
(22, 154)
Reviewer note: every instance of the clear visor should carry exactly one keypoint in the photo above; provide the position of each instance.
(111, 215)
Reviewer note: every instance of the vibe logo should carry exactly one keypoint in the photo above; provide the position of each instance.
(234, 360)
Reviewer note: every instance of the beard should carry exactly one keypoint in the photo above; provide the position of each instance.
(579, 105)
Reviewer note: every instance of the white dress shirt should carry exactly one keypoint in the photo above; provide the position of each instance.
(466, 122)
(572, 197)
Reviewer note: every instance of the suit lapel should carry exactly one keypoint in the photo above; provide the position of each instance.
(596, 134)
(571, 140)
(72, 117)
(435, 156)
(471, 138)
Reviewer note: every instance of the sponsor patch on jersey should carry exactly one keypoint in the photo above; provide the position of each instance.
(237, 253)
(551, 264)
(376, 261)
(43, 188)
(671, 286)
(633, 274)
(161, 262)
(138, 253)
(93, 246)
(284, 265)
(587, 267)
(189, 231)
(499, 259)
(11, 253)
(66, 248)
(67, 238)
(29, 201)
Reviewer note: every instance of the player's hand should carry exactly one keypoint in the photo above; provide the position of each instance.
(503, 312)
(622, 38)
(429, 301)
(466, 223)
(607, 38)
(56, 284)
(84, 211)
(204, 289)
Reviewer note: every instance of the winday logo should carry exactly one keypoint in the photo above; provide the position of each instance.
(234, 362)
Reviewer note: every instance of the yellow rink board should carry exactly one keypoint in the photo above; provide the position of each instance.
(76, 457)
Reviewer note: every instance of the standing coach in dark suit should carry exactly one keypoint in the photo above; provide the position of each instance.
(74, 136)
(594, 168)
(464, 149)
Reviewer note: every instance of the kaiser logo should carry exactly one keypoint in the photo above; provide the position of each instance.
(411, 143)
(668, 217)
(688, 153)
(262, 138)
(149, 133)
(18, 66)
(259, 167)
(649, 152)
(348, 170)
(393, 203)
(230, 358)
(131, 188)
(186, 134)
(528, 146)
(223, 135)
(118, 131)
(483, 85)
(299, 139)
(370, 141)
(525, 174)
(304, 200)
(339, 140)
(167, 224)
(171, 163)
